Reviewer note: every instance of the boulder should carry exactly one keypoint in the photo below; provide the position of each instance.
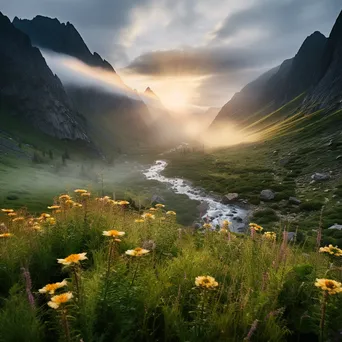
(267, 195)
(229, 198)
(319, 177)
(157, 199)
(295, 200)
(336, 226)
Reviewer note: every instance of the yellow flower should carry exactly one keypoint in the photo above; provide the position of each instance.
(255, 227)
(159, 205)
(226, 223)
(58, 300)
(224, 231)
(44, 216)
(64, 197)
(77, 205)
(51, 220)
(54, 207)
(85, 194)
(172, 213)
(73, 259)
(7, 211)
(206, 282)
(113, 233)
(51, 288)
(331, 286)
(69, 202)
(20, 218)
(148, 216)
(36, 226)
(152, 209)
(11, 214)
(331, 250)
(5, 235)
(123, 202)
(207, 225)
(80, 191)
(162, 219)
(270, 235)
(137, 251)
(139, 220)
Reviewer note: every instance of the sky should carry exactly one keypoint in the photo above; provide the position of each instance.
(190, 52)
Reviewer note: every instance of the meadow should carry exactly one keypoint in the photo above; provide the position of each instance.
(96, 269)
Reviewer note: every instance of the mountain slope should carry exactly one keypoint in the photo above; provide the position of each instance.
(29, 89)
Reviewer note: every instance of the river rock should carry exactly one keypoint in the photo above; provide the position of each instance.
(336, 226)
(231, 197)
(290, 236)
(203, 207)
(267, 195)
(157, 199)
(319, 177)
(295, 200)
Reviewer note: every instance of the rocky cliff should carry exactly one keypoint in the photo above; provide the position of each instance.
(30, 90)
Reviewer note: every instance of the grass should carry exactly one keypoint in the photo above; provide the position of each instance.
(265, 289)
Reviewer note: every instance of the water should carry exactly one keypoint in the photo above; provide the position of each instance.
(216, 211)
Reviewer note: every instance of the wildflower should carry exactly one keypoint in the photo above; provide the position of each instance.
(77, 205)
(37, 226)
(224, 231)
(58, 300)
(5, 235)
(206, 282)
(139, 220)
(54, 207)
(73, 259)
(152, 209)
(226, 223)
(51, 220)
(69, 202)
(255, 227)
(159, 205)
(7, 211)
(162, 219)
(207, 225)
(171, 213)
(331, 250)
(331, 286)
(148, 216)
(137, 251)
(113, 233)
(270, 236)
(44, 216)
(51, 288)
(123, 202)
(85, 194)
(64, 197)
(80, 191)
(11, 214)
(19, 218)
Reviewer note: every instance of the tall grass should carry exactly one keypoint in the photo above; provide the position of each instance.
(265, 288)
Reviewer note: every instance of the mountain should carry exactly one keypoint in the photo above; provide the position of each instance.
(30, 91)
(277, 86)
(116, 120)
(51, 34)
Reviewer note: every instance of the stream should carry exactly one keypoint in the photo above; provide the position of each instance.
(215, 212)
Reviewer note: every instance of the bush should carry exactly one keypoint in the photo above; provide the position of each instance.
(311, 206)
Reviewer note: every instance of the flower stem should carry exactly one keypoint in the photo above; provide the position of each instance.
(110, 253)
(77, 284)
(323, 312)
(65, 325)
(135, 273)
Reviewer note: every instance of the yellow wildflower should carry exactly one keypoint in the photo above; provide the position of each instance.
(224, 231)
(80, 191)
(7, 211)
(207, 225)
(159, 205)
(58, 300)
(137, 251)
(11, 214)
(54, 207)
(206, 282)
(331, 250)
(255, 227)
(85, 194)
(331, 286)
(64, 197)
(152, 209)
(139, 220)
(51, 288)
(5, 235)
(51, 220)
(226, 223)
(123, 202)
(73, 259)
(44, 216)
(170, 212)
(77, 205)
(270, 236)
(69, 202)
(113, 233)
(148, 216)
(19, 218)
(37, 226)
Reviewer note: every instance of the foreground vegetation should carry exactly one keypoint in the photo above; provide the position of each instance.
(94, 269)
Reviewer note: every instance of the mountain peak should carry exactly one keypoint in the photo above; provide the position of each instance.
(149, 92)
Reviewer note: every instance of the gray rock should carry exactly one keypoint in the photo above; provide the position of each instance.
(157, 199)
(336, 226)
(203, 207)
(295, 200)
(319, 177)
(339, 157)
(231, 197)
(267, 195)
(290, 236)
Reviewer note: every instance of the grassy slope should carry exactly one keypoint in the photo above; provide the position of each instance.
(154, 298)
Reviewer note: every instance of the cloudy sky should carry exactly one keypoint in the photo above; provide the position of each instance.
(189, 51)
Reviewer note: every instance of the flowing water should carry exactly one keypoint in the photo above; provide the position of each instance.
(215, 212)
